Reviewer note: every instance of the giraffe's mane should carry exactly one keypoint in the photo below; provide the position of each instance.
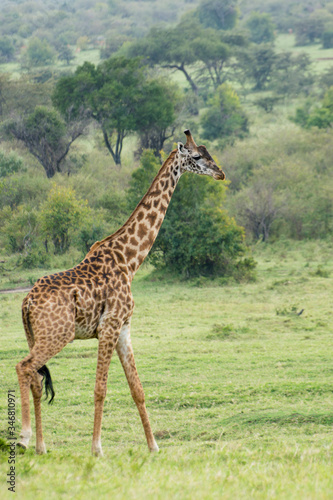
(97, 244)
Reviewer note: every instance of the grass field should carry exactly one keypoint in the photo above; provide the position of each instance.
(239, 389)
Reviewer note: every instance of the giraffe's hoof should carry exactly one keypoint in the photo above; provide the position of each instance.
(21, 447)
(97, 452)
(154, 449)
(41, 449)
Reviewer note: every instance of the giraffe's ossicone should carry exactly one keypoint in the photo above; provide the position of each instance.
(94, 300)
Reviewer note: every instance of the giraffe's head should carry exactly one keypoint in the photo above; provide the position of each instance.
(197, 159)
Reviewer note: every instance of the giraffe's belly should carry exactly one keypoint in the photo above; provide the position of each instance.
(84, 332)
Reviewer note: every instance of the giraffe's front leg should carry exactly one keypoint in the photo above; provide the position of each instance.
(126, 356)
(108, 335)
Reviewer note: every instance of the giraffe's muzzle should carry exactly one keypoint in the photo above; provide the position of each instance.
(219, 176)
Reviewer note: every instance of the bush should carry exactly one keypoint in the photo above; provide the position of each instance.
(61, 215)
(10, 163)
(38, 53)
(20, 228)
(319, 117)
(35, 257)
(197, 236)
(142, 178)
(261, 28)
(89, 234)
(327, 39)
(225, 117)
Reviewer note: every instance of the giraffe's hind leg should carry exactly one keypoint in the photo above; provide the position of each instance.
(37, 390)
(24, 374)
(27, 371)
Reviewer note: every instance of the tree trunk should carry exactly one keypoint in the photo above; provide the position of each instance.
(115, 153)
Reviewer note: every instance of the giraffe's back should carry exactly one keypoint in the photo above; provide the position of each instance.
(75, 300)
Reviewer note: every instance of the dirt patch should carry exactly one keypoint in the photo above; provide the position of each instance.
(16, 290)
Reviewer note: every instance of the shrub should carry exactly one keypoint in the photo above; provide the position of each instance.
(10, 163)
(61, 215)
(225, 117)
(20, 228)
(38, 53)
(197, 236)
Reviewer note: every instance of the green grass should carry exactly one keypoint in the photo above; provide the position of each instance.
(238, 389)
(321, 58)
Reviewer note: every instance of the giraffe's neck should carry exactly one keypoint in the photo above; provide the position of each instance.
(133, 241)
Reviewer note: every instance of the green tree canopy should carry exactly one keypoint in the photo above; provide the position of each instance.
(218, 14)
(258, 63)
(170, 48)
(157, 114)
(309, 29)
(197, 236)
(187, 44)
(61, 215)
(38, 53)
(291, 74)
(321, 117)
(7, 49)
(142, 178)
(10, 163)
(212, 51)
(261, 28)
(119, 97)
(46, 135)
(225, 117)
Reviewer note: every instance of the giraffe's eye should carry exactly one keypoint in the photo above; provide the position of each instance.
(196, 157)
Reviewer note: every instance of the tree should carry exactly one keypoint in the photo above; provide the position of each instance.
(327, 38)
(117, 95)
(112, 45)
(291, 74)
(170, 48)
(46, 136)
(22, 95)
(38, 53)
(326, 79)
(218, 14)
(261, 28)
(197, 236)
(258, 209)
(142, 178)
(213, 53)
(61, 215)
(65, 53)
(155, 122)
(310, 28)
(110, 92)
(10, 163)
(321, 117)
(258, 63)
(7, 49)
(225, 117)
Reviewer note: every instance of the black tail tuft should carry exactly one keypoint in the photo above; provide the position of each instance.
(44, 371)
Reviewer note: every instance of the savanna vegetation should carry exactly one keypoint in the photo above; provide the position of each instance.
(93, 97)
(238, 383)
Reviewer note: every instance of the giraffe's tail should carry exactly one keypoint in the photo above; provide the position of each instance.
(45, 372)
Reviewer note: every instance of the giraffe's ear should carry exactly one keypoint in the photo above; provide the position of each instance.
(181, 149)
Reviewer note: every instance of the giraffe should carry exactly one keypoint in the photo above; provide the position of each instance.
(94, 300)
